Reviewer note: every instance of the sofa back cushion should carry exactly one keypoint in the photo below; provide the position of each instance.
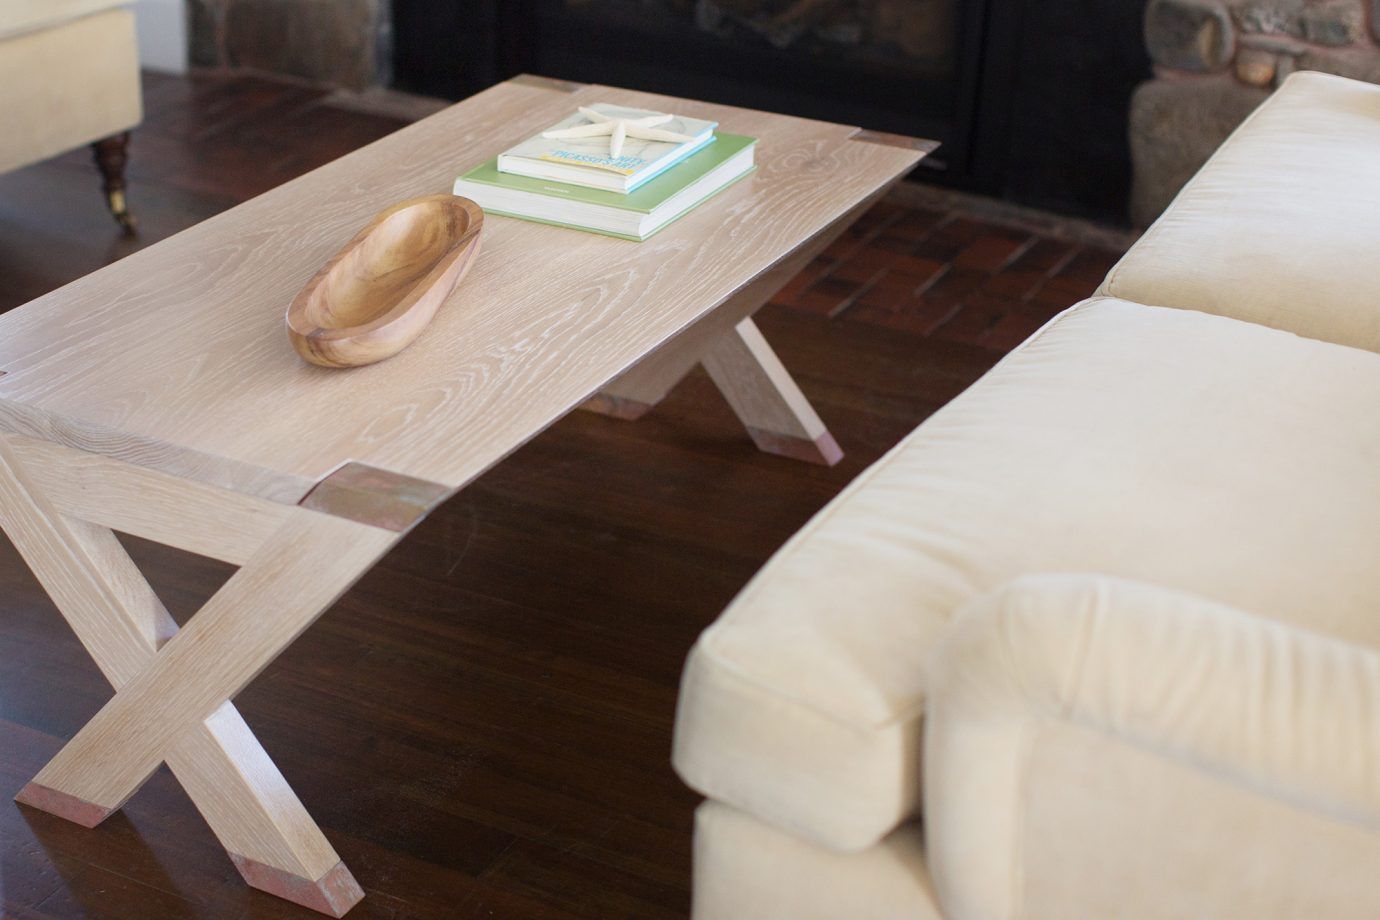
(1282, 225)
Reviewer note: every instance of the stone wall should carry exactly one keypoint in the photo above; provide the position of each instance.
(1216, 60)
(343, 43)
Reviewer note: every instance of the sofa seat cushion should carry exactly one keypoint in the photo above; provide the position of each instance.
(1173, 447)
(20, 16)
(1281, 226)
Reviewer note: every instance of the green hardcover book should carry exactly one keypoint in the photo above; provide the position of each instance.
(632, 216)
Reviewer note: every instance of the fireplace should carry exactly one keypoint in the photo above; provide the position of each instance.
(1029, 98)
(891, 65)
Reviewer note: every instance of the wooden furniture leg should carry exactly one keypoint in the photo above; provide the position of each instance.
(254, 813)
(776, 414)
(783, 424)
(111, 155)
(634, 393)
(637, 392)
(299, 571)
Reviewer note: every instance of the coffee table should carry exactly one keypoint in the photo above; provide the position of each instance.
(160, 397)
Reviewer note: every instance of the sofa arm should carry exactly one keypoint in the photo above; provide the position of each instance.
(1261, 705)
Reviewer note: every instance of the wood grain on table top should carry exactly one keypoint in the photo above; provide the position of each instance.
(176, 357)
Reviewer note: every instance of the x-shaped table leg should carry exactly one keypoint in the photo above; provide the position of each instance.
(174, 686)
(742, 365)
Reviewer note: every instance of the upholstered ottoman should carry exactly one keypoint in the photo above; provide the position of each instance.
(70, 72)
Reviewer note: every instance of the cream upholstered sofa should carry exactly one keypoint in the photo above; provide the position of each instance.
(1101, 638)
(69, 70)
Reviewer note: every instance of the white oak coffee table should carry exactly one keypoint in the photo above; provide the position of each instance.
(160, 397)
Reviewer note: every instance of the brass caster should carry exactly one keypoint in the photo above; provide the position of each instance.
(119, 209)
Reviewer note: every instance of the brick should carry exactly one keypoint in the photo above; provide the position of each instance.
(955, 285)
(893, 242)
(1010, 331)
(848, 242)
(971, 322)
(917, 223)
(864, 229)
(949, 239)
(919, 317)
(1015, 284)
(891, 290)
(816, 269)
(1065, 291)
(927, 270)
(879, 215)
(866, 264)
(1088, 267)
(1044, 256)
(991, 251)
(976, 283)
(828, 296)
(1041, 310)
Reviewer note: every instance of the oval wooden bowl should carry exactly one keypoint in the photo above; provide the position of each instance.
(375, 296)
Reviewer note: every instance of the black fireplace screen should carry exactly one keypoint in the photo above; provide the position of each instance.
(906, 66)
(1028, 97)
(891, 65)
(911, 37)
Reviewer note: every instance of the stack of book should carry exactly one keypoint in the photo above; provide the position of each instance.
(577, 182)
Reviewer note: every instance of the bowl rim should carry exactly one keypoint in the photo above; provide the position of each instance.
(297, 310)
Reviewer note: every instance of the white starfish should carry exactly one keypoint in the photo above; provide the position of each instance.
(620, 128)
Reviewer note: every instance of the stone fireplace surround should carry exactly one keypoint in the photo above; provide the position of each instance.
(1215, 61)
(345, 43)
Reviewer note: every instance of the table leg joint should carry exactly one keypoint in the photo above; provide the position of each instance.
(377, 497)
(615, 406)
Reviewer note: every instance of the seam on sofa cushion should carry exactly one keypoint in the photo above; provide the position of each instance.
(781, 706)
(1016, 878)
(788, 698)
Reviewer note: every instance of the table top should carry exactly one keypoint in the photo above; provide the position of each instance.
(176, 356)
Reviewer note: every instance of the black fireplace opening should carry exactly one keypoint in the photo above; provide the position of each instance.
(1004, 85)
(891, 65)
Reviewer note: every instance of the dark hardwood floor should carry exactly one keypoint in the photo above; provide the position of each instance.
(482, 726)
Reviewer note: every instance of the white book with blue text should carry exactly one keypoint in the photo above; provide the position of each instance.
(586, 160)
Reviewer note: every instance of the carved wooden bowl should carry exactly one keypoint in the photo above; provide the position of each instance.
(375, 296)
